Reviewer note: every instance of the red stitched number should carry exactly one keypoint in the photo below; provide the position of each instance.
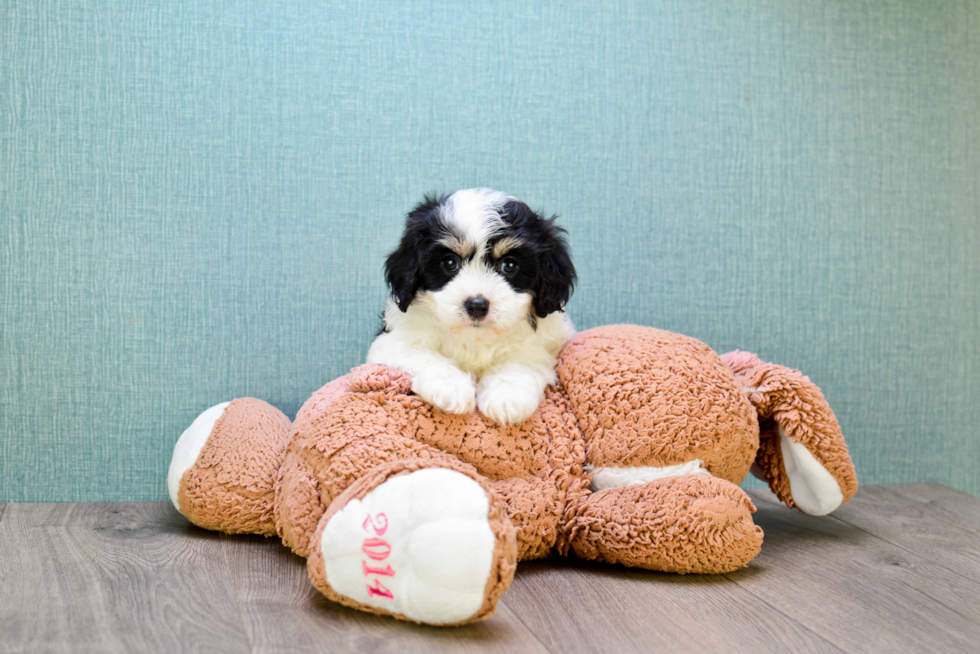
(379, 530)
(378, 589)
(383, 572)
(378, 550)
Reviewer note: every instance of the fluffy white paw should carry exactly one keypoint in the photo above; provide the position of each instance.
(419, 545)
(508, 400)
(448, 389)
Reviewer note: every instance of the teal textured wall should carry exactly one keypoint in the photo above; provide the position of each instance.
(196, 198)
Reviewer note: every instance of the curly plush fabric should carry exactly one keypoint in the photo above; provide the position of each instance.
(787, 399)
(231, 487)
(638, 526)
(646, 397)
(646, 406)
(380, 422)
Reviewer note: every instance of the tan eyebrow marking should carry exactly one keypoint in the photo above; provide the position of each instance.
(505, 245)
(457, 245)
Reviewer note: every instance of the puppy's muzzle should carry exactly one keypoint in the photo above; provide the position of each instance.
(477, 307)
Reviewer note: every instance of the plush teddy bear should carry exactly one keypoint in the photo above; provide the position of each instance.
(632, 458)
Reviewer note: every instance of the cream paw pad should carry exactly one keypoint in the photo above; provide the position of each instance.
(418, 545)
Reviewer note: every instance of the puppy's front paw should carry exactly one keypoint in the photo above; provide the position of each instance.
(507, 400)
(448, 389)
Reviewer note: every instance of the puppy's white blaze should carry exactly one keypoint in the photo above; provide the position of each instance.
(418, 338)
(609, 477)
(475, 213)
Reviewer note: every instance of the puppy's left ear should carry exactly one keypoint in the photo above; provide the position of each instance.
(556, 274)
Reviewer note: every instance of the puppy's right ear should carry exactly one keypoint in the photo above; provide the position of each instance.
(403, 268)
(403, 272)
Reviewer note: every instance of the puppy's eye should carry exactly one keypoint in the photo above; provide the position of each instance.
(509, 267)
(450, 264)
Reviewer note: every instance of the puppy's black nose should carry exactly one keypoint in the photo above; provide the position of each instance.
(477, 307)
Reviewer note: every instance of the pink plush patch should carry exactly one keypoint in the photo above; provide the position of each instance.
(319, 401)
(739, 360)
(376, 377)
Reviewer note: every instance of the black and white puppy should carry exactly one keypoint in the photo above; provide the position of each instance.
(478, 284)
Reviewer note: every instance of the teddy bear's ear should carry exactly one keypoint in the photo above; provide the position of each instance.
(802, 453)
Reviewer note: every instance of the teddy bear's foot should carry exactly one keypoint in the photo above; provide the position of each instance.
(687, 524)
(223, 470)
(430, 545)
(813, 488)
(802, 453)
(189, 446)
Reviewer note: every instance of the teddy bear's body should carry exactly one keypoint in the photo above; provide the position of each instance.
(633, 457)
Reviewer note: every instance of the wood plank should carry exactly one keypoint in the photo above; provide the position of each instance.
(283, 612)
(894, 569)
(131, 577)
(575, 606)
(913, 525)
(855, 589)
(956, 507)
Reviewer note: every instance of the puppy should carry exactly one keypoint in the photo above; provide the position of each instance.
(478, 285)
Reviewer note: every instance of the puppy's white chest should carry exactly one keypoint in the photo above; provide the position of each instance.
(473, 356)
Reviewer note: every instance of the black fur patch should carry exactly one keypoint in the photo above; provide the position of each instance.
(545, 265)
(413, 266)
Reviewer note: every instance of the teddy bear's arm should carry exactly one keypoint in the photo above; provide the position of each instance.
(802, 453)
(685, 524)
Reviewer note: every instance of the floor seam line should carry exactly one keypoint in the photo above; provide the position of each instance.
(903, 547)
(922, 557)
(778, 610)
(913, 553)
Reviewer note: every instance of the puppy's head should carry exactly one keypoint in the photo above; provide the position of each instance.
(480, 259)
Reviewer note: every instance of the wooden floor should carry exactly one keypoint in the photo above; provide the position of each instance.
(896, 569)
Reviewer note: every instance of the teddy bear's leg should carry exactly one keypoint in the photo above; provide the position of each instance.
(320, 465)
(417, 539)
(223, 470)
(801, 450)
(686, 524)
